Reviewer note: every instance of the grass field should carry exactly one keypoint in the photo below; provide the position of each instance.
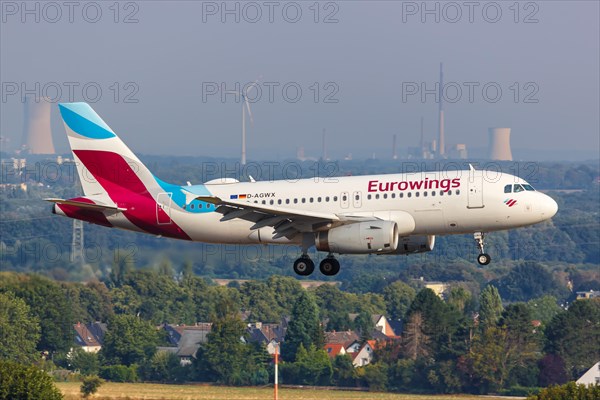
(142, 391)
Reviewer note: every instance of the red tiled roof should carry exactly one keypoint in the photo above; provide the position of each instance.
(333, 349)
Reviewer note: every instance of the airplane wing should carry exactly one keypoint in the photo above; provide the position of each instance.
(287, 222)
(81, 204)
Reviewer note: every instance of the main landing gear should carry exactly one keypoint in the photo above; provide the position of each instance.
(482, 258)
(304, 266)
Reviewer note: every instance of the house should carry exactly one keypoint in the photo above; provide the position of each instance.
(186, 340)
(90, 336)
(270, 335)
(589, 294)
(344, 337)
(383, 325)
(364, 355)
(591, 377)
(335, 349)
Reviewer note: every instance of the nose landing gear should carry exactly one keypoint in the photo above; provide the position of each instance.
(482, 258)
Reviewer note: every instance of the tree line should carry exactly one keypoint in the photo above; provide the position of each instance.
(466, 342)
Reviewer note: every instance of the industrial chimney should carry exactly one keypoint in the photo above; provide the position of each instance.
(37, 134)
(499, 144)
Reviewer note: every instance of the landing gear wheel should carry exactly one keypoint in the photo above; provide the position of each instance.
(329, 266)
(304, 266)
(484, 259)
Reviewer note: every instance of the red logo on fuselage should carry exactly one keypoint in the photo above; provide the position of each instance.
(426, 184)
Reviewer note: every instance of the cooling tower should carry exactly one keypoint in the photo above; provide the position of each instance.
(499, 147)
(37, 134)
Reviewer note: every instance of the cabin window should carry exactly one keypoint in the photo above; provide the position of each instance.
(295, 201)
(424, 194)
(508, 189)
(356, 197)
(401, 195)
(311, 199)
(303, 200)
(377, 196)
(384, 196)
(335, 198)
(200, 205)
(417, 194)
(271, 202)
(264, 202)
(191, 206)
(433, 192)
(184, 206)
(327, 199)
(279, 201)
(409, 194)
(287, 201)
(449, 192)
(369, 197)
(344, 198)
(441, 192)
(457, 192)
(393, 195)
(319, 199)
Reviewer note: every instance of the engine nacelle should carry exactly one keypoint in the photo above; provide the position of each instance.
(359, 238)
(415, 244)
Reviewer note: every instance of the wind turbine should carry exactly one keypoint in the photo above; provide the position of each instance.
(245, 106)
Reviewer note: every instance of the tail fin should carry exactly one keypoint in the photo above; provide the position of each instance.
(104, 163)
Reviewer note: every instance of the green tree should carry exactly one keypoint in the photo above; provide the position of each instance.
(313, 366)
(398, 296)
(225, 354)
(490, 306)
(415, 340)
(304, 328)
(48, 302)
(343, 371)
(19, 330)
(90, 385)
(20, 382)
(129, 340)
(441, 322)
(574, 335)
(569, 391)
(84, 362)
(526, 281)
(544, 308)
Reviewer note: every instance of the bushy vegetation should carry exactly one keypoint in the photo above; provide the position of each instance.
(22, 382)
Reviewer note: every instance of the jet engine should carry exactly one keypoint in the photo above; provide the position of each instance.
(415, 244)
(359, 238)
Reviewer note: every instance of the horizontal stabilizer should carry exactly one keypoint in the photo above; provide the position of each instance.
(91, 206)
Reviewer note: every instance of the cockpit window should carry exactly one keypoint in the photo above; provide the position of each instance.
(518, 188)
(529, 188)
(508, 189)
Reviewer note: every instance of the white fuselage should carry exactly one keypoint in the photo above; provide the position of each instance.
(454, 202)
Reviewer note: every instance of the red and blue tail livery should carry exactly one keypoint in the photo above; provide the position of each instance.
(378, 214)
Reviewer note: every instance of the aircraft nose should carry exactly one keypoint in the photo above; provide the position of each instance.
(549, 207)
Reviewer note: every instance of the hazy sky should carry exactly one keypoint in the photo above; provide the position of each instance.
(357, 63)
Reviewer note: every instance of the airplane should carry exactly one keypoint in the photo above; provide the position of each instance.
(378, 214)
